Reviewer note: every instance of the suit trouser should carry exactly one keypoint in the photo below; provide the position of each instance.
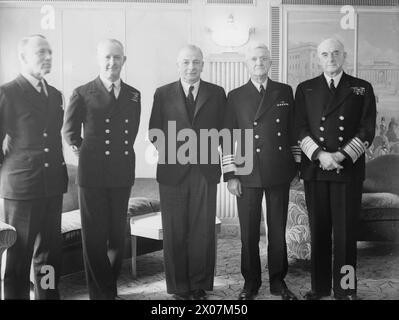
(333, 208)
(38, 226)
(103, 214)
(249, 212)
(188, 219)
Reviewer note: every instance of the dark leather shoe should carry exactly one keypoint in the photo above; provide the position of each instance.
(286, 294)
(199, 294)
(312, 295)
(247, 294)
(182, 296)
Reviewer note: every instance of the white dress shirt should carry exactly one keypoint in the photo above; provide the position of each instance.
(337, 78)
(257, 84)
(35, 82)
(186, 87)
(108, 85)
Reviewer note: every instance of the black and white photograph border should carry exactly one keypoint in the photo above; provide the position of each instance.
(153, 32)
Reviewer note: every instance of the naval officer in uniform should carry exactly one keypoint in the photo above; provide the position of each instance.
(109, 110)
(336, 115)
(266, 107)
(33, 174)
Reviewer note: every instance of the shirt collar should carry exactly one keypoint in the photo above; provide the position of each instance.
(337, 78)
(186, 86)
(107, 84)
(34, 82)
(257, 85)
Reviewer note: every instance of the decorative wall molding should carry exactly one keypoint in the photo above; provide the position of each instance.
(230, 2)
(343, 2)
(275, 42)
(115, 1)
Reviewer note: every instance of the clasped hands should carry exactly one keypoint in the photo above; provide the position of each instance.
(330, 161)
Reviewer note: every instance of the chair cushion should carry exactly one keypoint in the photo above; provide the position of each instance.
(8, 235)
(380, 200)
(380, 207)
(141, 205)
(382, 175)
(70, 227)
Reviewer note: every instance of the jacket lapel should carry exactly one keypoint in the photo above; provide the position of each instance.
(121, 101)
(51, 103)
(343, 91)
(268, 99)
(30, 93)
(202, 97)
(179, 100)
(101, 95)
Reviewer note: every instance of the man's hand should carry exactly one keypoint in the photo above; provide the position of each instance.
(327, 161)
(338, 157)
(75, 150)
(234, 186)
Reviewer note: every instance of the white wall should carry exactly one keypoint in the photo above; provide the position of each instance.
(152, 34)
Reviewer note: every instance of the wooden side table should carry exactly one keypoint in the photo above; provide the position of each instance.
(150, 226)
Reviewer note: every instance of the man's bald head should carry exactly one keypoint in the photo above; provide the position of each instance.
(332, 55)
(111, 58)
(190, 62)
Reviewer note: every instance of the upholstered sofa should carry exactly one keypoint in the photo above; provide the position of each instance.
(8, 235)
(144, 199)
(379, 218)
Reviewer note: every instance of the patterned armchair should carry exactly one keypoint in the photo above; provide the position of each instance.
(379, 217)
(8, 236)
(297, 232)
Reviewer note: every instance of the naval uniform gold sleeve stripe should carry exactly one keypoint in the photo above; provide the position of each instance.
(228, 163)
(355, 148)
(296, 152)
(229, 168)
(308, 146)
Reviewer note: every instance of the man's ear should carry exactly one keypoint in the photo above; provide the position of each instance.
(124, 60)
(22, 57)
(345, 54)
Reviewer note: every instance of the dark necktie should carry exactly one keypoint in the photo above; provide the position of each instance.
(112, 93)
(42, 92)
(190, 102)
(332, 86)
(262, 90)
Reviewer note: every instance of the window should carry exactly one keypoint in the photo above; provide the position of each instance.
(373, 55)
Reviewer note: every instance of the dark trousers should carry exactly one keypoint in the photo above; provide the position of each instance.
(38, 226)
(188, 219)
(103, 214)
(333, 209)
(249, 213)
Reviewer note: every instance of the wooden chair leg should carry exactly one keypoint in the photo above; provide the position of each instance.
(134, 256)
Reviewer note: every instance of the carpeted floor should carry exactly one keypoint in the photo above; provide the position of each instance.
(378, 275)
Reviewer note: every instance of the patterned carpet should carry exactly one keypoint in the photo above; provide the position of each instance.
(378, 275)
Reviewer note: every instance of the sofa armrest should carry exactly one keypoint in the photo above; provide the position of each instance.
(8, 236)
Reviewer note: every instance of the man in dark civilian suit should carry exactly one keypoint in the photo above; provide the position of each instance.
(109, 110)
(336, 115)
(188, 189)
(267, 108)
(33, 174)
